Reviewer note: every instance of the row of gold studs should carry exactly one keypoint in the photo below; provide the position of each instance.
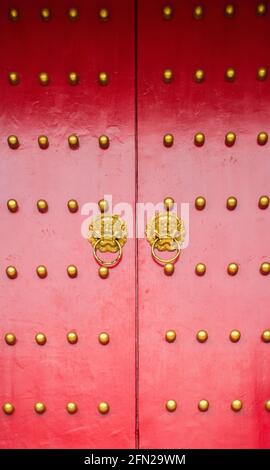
(42, 205)
(71, 407)
(199, 75)
(46, 14)
(44, 78)
(199, 12)
(203, 405)
(229, 140)
(72, 271)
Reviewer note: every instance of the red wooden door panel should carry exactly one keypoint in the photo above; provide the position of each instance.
(218, 370)
(58, 372)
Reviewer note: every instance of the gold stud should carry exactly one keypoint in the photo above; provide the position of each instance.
(229, 11)
(73, 141)
(168, 203)
(8, 408)
(235, 335)
(73, 14)
(14, 78)
(103, 407)
(199, 139)
(13, 14)
(171, 405)
(72, 337)
(10, 339)
(170, 336)
(103, 272)
(103, 78)
(167, 12)
(43, 78)
(12, 205)
(73, 78)
(42, 271)
(169, 269)
(72, 205)
(45, 14)
(39, 408)
(42, 205)
(104, 14)
(41, 339)
(267, 405)
(266, 336)
(13, 141)
(200, 203)
(236, 405)
(232, 269)
(167, 75)
(199, 76)
(230, 139)
(203, 405)
(231, 203)
(265, 268)
(72, 271)
(202, 336)
(104, 338)
(198, 12)
(71, 408)
(103, 205)
(262, 73)
(261, 9)
(168, 140)
(263, 202)
(230, 74)
(11, 272)
(104, 141)
(262, 138)
(200, 269)
(43, 141)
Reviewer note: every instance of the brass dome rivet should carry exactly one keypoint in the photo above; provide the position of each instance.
(11, 272)
(171, 405)
(41, 271)
(230, 74)
(42, 206)
(71, 408)
(170, 336)
(103, 272)
(265, 268)
(231, 203)
(72, 205)
(169, 269)
(104, 338)
(12, 205)
(39, 408)
(10, 339)
(229, 11)
(13, 141)
(266, 336)
(236, 405)
(199, 139)
(14, 78)
(104, 14)
(235, 335)
(40, 339)
(72, 271)
(43, 141)
(103, 407)
(232, 269)
(73, 141)
(103, 205)
(72, 337)
(13, 14)
(73, 78)
(261, 9)
(262, 138)
(73, 14)
(45, 14)
(198, 12)
(43, 78)
(8, 408)
(202, 336)
(167, 75)
(104, 141)
(230, 139)
(203, 405)
(168, 203)
(263, 202)
(199, 76)
(200, 203)
(168, 140)
(262, 73)
(267, 405)
(200, 269)
(103, 78)
(167, 12)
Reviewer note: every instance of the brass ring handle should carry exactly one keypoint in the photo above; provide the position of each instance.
(108, 264)
(162, 260)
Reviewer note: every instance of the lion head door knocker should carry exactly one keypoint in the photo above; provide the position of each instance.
(166, 232)
(107, 234)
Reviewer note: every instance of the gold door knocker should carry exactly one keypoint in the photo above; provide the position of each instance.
(166, 232)
(107, 234)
